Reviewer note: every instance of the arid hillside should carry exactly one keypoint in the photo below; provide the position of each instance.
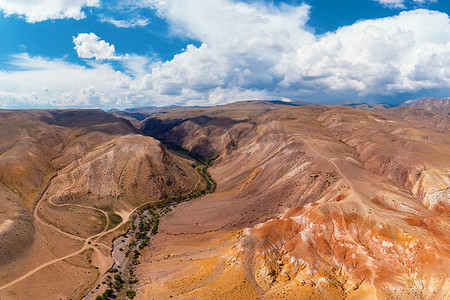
(65, 176)
(207, 131)
(301, 202)
(311, 203)
(440, 106)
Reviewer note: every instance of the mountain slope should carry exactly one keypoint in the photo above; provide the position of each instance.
(439, 106)
(319, 202)
(63, 175)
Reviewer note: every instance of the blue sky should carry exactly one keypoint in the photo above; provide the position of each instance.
(118, 54)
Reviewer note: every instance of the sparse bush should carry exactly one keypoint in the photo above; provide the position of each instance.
(133, 280)
(117, 277)
(108, 293)
(131, 294)
(117, 285)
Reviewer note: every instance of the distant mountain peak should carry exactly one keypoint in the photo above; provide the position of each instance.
(436, 105)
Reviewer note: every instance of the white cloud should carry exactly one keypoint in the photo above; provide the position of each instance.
(392, 3)
(88, 45)
(99, 85)
(41, 10)
(401, 3)
(382, 56)
(42, 82)
(259, 47)
(241, 45)
(129, 23)
(247, 52)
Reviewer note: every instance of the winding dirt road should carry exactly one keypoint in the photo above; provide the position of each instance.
(89, 243)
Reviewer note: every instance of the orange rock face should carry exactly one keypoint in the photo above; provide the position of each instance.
(328, 203)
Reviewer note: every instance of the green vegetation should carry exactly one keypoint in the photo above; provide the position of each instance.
(145, 223)
(155, 222)
(117, 285)
(114, 220)
(131, 294)
(136, 254)
(117, 277)
(202, 170)
(133, 280)
(107, 294)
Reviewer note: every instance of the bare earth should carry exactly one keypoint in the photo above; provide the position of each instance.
(62, 174)
(312, 202)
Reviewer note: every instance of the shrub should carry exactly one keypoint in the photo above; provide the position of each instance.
(117, 277)
(108, 293)
(117, 285)
(133, 280)
(130, 294)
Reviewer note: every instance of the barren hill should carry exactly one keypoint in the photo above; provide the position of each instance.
(63, 174)
(312, 202)
(440, 106)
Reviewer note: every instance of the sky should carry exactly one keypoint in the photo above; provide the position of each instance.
(134, 53)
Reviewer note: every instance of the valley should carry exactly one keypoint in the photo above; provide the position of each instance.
(249, 200)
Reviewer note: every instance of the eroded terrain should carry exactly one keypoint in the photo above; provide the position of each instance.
(311, 202)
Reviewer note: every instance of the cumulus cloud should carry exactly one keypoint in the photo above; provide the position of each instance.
(382, 56)
(401, 3)
(246, 52)
(241, 45)
(41, 10)
(89, 45)
(260, 47)
(40, 82)
(129, 23)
